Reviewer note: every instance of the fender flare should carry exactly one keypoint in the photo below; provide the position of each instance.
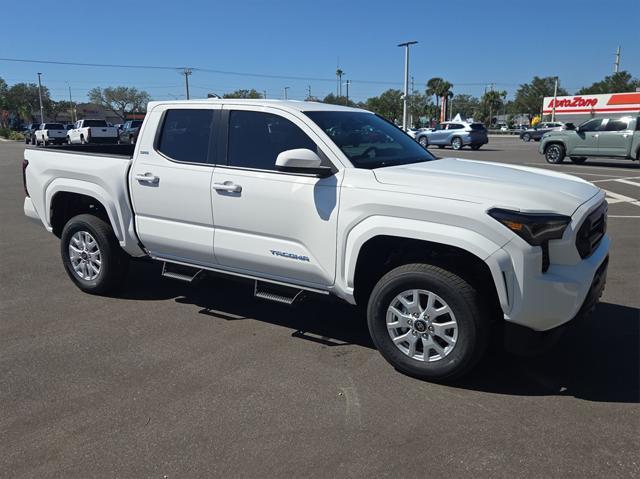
(496, 258)
(122, 226)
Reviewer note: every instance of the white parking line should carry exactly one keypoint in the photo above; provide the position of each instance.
(627, 182)
(591, 168)
(619, 179)
(618, 198)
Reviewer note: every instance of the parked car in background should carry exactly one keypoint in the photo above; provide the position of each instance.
(610, 137)
(128, 133)
(69, 126)
(30, 133)
(92, 131)
(540, 129)
(455, 134)
(49, 133)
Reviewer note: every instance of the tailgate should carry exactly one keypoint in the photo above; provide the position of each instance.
(103, 131)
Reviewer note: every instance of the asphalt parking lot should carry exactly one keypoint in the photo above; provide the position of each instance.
(174, 380)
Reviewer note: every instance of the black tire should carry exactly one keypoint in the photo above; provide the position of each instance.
(456, 143)
(554, 153)
(33, 140)
(424, 141)
(526, 137)
(132, 140)
(82, 140)
(26, 140)
(461, 297)
(578, 160)
(68, 140)
(114, 261)
(475, 147)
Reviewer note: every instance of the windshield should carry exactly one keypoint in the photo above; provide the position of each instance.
(94, 123)
(368, 140)
(136, 123)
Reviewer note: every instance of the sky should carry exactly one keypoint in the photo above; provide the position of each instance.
(472, 44)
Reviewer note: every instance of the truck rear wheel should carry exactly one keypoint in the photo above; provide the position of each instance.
(91, 254)
(427, 322)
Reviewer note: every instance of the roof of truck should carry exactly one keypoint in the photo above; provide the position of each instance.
(284, 104)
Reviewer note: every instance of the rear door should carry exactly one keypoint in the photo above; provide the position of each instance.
(268, 222)
(170, 183)
(586, 139)
(615, 137)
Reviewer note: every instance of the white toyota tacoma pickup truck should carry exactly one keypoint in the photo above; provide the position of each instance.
(309, 198)
(92, 131)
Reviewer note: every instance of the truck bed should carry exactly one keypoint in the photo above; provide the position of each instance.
(115, 151)
(97, 171)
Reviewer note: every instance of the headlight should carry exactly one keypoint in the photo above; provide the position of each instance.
(536, 229)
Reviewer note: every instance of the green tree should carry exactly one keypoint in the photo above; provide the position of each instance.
(420, 105)
(56, 108)
(243, 94)
(617, 83)
(491, 104)
(337, 100)
(529, 96)
(121, 100)
(388, 104)
(23, 100)
(467, 106)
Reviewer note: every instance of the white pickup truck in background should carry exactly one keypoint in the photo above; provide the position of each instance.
(49, 133)
(311, 198)
(92, 131)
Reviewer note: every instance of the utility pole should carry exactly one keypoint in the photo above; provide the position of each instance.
(347, 83)
(616, 65)
(555, 95)
(186, 72)
(285, 92)
(308, 91)
(405, 97)
(72, 107)
(40, 97)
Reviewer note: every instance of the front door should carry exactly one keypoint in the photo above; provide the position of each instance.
(586, 140)
(170, 184)
(270, 223)
(615, 138)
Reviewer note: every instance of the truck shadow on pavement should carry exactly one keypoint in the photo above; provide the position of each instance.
(597, 359)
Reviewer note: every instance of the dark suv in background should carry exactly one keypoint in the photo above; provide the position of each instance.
(30, 133)
(128, 133)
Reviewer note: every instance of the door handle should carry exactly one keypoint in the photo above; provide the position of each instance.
(227, 186)
(148, 178)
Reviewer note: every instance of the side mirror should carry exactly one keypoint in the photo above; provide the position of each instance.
(302, 160)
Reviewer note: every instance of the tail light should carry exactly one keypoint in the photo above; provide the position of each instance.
(25, 163)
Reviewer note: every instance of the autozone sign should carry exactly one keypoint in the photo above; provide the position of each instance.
(607, 103)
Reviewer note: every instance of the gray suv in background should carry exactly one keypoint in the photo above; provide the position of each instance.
(540, 129)
(455, 134)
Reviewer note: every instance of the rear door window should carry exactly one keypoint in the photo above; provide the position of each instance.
(616, 125)
(186, 135)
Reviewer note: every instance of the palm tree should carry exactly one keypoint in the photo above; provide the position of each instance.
(339, 74)
(439, 88)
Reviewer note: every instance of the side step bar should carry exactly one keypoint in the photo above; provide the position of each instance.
(276, 293)
(180, 272)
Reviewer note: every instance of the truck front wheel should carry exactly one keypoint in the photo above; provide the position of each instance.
(91, 254)
(427, 322)
(554, 153)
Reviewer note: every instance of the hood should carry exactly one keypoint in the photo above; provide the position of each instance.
(492, 184)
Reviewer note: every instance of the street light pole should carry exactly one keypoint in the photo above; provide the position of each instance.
(72, 106)
(40, 97)
(406, 83)
(285, 92)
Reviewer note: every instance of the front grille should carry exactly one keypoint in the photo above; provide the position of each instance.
(592, 231)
